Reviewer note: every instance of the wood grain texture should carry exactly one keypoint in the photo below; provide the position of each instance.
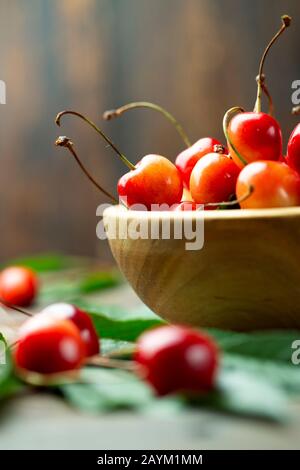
(195, 57)
(246, 276)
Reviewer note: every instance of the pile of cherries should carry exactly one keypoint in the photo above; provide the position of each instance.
(252, 172)
(62, 338)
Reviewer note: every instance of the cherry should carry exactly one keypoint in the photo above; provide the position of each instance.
(64, 311)
(275, 185)
(255, 135)
(176, 358)
(213, 178)
(48, 346)
(154, 180)
(18, 286)
(293, 149)
(187, 159)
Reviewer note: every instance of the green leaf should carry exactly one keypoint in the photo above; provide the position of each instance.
(3, 340)
(244, 393)
(99, 280)
(119, 323)
(70, 290)
(111, 347)
(45, 262)
(106, 390)
(286, 376)
(238, 392)
(272, 345)
(9, 383)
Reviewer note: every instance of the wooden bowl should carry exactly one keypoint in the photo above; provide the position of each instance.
(246, 276)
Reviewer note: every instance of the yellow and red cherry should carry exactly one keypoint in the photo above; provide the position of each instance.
(274, 184)
(155, 180)
(188, 158)
(18, 286)
(213, 178)
(255, 136)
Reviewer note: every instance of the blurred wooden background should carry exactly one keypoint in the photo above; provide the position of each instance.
(195, 57)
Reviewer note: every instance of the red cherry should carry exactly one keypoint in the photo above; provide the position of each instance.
(176, 358)
(64, 311)
(18, 286)
(293, 149)
(155, 180)
(274, 184)
(187, 159)
(47, 346)
(255, 136)
(213, 178)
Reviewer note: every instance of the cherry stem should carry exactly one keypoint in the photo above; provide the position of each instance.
(14, 307)
(96, 128)
(231, 203)
(286, 21)
(267, 93)
(64, 141)
(226, 120)
(296, 110)
(111, 363)
(114, 113)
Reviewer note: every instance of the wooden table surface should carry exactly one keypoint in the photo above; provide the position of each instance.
(42, 421)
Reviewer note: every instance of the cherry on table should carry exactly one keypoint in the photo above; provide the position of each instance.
(18, 285)
(176, 358)
(49, 346)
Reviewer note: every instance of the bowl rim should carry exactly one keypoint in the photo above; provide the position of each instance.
(121, 211)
